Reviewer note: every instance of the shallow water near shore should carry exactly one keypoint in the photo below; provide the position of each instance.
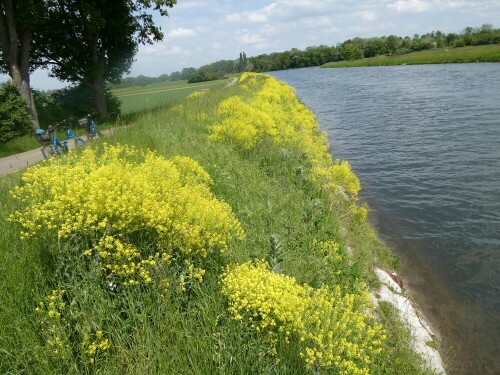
(425, 143)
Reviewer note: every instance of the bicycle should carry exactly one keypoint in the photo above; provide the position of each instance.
(71, 135)
(91, 129)
(51, 145)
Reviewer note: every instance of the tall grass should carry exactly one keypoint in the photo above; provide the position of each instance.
(150, 333)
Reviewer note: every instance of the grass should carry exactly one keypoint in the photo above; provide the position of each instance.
(136, 99)
(487, 53)
(190, 334)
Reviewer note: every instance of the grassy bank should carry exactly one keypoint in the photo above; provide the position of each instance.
(487, 53)
(237, 247)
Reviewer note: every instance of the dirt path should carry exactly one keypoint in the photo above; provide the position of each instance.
(13, 163)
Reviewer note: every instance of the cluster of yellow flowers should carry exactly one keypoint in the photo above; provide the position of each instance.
(196, 94)
(93, 345)
(51, 311)
(54, 313)
(139, 210)
(335, 329)
(273, 112)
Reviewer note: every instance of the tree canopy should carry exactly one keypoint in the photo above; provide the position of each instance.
(86, 42)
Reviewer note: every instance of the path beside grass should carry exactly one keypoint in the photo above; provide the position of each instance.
(13, 163)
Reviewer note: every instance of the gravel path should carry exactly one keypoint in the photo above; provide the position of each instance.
(13, 163)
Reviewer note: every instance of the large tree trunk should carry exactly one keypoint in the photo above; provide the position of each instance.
(16, 49)
(98, 88)
(97, 83)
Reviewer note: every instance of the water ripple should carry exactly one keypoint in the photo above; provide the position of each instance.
(425, 142)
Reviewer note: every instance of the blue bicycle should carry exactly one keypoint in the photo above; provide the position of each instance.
(91, 129)
(71, 135)
(51, 145)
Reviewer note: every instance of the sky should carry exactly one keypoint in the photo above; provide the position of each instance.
(200, 32)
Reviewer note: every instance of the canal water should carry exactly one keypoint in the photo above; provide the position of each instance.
(425, 143)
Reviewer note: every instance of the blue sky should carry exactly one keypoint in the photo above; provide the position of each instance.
(200, 32)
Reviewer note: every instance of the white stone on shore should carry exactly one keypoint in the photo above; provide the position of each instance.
(391, 292)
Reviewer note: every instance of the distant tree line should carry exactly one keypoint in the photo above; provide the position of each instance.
(357, 48)
(351, 49)
(205, 73)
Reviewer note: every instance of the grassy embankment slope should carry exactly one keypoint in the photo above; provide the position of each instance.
(488, 53)
(123, 266)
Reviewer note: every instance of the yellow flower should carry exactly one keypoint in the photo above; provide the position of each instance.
(330, 325)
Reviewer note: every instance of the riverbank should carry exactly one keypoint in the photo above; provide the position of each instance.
(487, 53)
(84, 292)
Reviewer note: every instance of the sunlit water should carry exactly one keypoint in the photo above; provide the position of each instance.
(425, 143)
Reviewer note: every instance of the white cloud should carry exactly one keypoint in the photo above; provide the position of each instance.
(410, 6)
(367, 15)
(310, 22)
(180, 32)
(251, 39)
(234, 17)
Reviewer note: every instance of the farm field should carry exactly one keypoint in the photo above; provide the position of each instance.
(135, 99)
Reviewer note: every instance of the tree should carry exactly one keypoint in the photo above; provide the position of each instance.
(374, 47)
(14, 120)
(391, 44)
(351, 52)
(94, 42)
(19, 20)
(242, 62)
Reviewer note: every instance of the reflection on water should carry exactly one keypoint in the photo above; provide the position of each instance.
(425, 143)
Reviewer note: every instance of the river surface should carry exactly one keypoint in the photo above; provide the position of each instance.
(425, 143)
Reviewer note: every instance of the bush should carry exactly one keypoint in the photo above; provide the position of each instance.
(335, 329)
(273, 113)
(14, 119)
(134, 213)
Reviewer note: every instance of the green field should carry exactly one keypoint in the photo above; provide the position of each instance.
(108, 279)
(487, 53)
(134, 99)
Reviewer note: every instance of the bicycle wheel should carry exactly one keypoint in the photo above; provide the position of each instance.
(47, 151)
(50, 150)
(90, 134)
(79, 142)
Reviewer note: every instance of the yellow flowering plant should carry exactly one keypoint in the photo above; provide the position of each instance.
(272, 111)
(51, 311)
(134, 211)
(335, 329)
